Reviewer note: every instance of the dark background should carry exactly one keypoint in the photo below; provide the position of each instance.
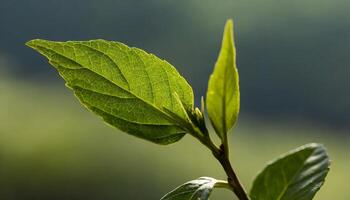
(294, 75)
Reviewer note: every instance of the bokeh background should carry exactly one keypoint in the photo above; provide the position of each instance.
(294, 70)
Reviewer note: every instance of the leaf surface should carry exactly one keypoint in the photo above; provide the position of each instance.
(223, 96)
(129, 88)
(297, 175)
(199, 189)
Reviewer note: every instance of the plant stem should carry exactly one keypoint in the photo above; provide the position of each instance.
(232, 178)
(222, 155)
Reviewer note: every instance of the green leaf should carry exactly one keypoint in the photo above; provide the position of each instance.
(129, 88)
(223, 88)
(199, 189)
(297, 175)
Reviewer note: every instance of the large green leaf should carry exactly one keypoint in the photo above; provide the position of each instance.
(297, 175)
(199, 189)
(129, 88)
(223, 89)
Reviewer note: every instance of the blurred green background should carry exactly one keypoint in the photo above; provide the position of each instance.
(294, 70)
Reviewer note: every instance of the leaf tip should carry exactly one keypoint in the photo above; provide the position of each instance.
(31, 43)
(229, 23)
(34, 43)
(228, 31)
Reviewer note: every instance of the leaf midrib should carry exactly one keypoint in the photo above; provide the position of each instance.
(101, 52)
(285, 189)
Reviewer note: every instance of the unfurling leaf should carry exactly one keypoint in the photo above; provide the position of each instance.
(297, 175)
(223, 97)
(129, 88)
(199, 189)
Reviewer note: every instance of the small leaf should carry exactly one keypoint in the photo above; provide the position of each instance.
(223, 97)
(129, 88)
(297, 175)
(199, 189)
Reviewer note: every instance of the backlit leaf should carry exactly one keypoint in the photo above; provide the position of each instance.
(129, 88)
(223, 97)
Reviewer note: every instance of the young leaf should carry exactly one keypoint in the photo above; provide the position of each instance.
(199, 189)
(297, 175)
(129, 88)
(223, 89)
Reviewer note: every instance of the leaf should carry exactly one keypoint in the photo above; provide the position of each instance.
(223, 97)
(129, 88)
(199, 189)
(297, 175)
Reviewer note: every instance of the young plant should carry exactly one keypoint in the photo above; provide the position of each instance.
(145, 96)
